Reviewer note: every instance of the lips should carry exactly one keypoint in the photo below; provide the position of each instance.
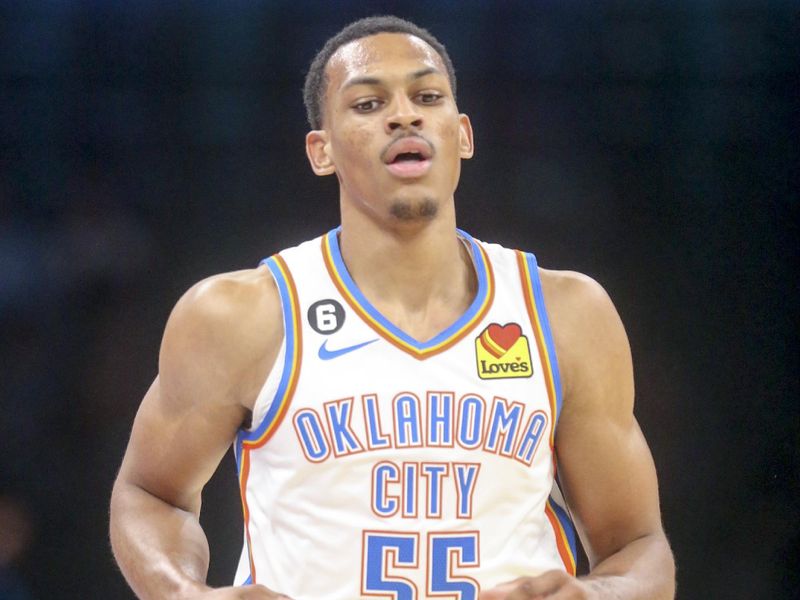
(408, 157)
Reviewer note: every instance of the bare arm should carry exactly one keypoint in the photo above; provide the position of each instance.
(219, 343)
(605, 465)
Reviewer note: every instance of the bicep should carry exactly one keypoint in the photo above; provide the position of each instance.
(176, 444)
(609, 480)
(605, 465)
(218, 345)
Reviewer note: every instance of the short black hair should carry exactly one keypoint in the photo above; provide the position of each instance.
(316, 79)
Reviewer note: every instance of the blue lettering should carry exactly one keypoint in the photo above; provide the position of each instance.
(503, 422)
(410, 476)
(344, 439)
(312, 438)
(440, 419)
(375, 437)
(407, 421)
(434, 472)
(384, 503)
(470, 429)
(466, 477)
(530, 440)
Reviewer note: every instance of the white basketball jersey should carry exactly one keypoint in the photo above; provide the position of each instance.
(378, 466)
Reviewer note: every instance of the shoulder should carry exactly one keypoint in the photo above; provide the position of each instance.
(238, 294)
(573, 297)
(222, 328)
(591, 343)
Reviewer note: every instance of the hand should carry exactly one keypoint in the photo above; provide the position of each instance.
(245, 592)
(552, 585)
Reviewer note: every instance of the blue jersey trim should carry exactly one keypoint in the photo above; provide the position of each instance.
(444, 336)
(544, 321)
(566, 523)
(289, 356)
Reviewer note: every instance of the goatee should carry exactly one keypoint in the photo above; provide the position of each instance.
(407, 211)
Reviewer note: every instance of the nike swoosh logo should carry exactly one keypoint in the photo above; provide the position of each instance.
(326, 354)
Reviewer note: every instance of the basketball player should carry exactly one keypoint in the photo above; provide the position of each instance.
(395, 390)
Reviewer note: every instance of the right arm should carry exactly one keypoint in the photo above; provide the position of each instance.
(220, 341)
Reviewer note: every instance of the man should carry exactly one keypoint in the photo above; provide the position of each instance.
(392, 388)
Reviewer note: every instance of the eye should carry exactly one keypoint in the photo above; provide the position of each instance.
(429, 97)
(365, 106)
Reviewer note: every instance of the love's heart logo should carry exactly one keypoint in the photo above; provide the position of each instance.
(502, 352)
(497, 339)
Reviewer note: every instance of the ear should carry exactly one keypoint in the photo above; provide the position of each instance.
(466, 145)
(318, 152)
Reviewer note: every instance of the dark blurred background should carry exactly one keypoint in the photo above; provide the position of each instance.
(145, 145)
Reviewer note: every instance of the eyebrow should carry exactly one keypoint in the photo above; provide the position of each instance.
(367, 80)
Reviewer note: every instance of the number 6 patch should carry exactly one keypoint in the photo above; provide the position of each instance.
(326, 316)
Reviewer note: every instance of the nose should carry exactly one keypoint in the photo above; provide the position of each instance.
(403, 115)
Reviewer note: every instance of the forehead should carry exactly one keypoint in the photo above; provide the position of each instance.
(370, 55)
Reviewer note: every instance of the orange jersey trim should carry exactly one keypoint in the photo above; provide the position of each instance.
(538, 333)
(562, 539)
(286, 389)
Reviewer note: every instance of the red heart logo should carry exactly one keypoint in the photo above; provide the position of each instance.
(498, 339)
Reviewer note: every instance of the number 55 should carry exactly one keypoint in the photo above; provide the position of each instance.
(387, 552)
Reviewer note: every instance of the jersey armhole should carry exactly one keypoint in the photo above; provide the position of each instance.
(556, 509)
(534, 301)
(276, 393)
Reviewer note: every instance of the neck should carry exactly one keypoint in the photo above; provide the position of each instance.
(419, 275)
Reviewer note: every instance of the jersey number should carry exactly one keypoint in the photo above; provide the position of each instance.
(388, 553)
(326, 317)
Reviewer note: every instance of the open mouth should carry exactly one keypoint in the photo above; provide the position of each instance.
(409, 165)
(408, 157)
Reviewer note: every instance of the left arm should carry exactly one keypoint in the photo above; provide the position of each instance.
(605, 466)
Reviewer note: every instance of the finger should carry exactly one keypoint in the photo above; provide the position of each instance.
(573, 589)
(524, 591)
(501, 591)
